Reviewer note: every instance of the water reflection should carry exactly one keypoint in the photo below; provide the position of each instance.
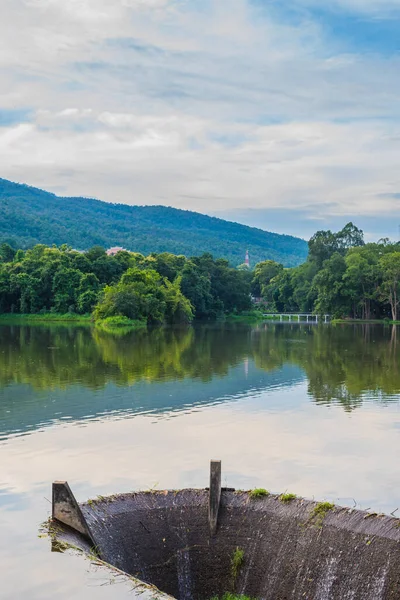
(266, 389)
(49, 374)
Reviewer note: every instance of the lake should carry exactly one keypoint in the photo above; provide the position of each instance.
(308, 409)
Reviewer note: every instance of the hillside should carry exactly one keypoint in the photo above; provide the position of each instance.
(30, 216)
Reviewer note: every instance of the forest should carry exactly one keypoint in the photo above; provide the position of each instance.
(159, 288)
(30, 216)
(342, 276)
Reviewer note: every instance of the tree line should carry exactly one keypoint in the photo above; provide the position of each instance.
(343, 276)
(159, 288)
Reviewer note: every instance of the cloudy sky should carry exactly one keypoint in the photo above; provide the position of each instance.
(280, 114)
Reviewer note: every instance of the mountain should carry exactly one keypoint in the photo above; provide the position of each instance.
(30, 216)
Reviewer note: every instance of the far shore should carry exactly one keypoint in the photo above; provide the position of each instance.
(110, 324)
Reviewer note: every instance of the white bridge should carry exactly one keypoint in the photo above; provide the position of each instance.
(301, 317)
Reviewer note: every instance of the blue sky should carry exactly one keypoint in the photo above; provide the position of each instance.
(280, 114)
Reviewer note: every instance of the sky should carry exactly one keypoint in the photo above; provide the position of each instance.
(281, 115)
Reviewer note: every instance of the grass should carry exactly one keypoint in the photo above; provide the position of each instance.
(372, 321)
(258, 493)
(247, 316)
(44, 318)
(237, 563)
(322, 508)
(287, 497)
(336, 321)
(320, 511)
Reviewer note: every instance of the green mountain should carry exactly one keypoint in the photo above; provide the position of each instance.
(30, 216)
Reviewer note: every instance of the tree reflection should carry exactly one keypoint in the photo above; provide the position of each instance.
(343, 363)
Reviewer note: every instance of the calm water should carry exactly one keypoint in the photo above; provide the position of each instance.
(313, 410)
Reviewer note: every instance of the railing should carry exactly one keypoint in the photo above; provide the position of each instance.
(306, 317)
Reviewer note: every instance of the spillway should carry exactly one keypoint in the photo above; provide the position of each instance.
(263, 547)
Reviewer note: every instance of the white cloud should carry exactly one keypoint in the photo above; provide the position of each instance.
(196, 106)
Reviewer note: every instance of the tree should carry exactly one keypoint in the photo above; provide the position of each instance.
(390, 269)
(95, 253)
(27, 288)
(328, 284)
(324, 244)
(7, 253)
(65, 285)
(138, 295)
(166, 264)
(279, 292)
(263, 273)
(361, 279)
(349, 237)
(304, 294)
(87, 293)
(321, 247)
(178, 308)
(196, 286)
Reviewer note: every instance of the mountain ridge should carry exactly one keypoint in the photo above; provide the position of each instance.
(30, 215)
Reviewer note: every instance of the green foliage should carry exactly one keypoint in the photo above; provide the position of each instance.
(237, 563)
(343, 276)
(44, 318)
(390, 292)
(258, 493)
(30, 216)
(287, 497)
(324, 244)
(264, 272)
(156, 289)
(7, 253)
(145, 295)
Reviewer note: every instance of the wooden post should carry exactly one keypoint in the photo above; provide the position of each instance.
(214, 495)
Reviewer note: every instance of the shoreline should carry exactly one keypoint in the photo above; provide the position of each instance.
(46, 318)
(113, 324)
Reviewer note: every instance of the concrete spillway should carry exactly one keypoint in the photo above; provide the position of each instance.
(287, 550)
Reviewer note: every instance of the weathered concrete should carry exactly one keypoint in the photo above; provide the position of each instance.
(163, 538)
(214, 495)
(65, 508)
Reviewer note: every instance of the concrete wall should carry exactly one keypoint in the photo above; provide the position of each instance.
(163, 538)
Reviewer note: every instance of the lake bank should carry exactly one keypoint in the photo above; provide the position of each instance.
(47, 318)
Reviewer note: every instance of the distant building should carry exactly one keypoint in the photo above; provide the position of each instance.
(113, 251)
(247, 259)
